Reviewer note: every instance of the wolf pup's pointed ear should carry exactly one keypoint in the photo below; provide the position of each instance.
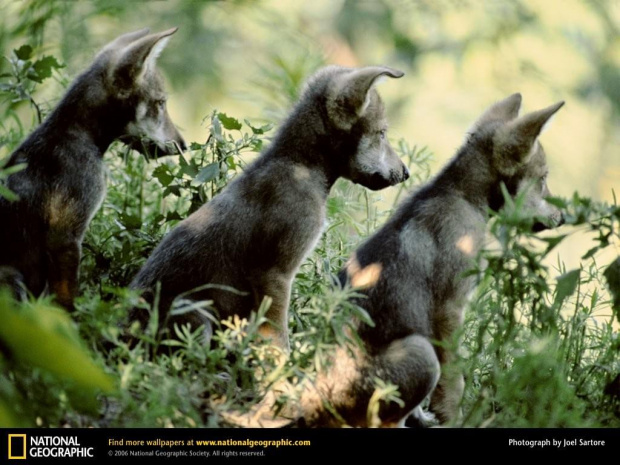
(504, 110)
(125, 40)
(516, 139)
(137, 58)
(351, 92)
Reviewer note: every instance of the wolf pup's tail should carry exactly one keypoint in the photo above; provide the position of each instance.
(13, 280)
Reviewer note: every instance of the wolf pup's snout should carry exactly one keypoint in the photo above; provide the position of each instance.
(399, 174)
(405, 172)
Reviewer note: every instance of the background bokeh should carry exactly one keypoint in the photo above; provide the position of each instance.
(248, 58)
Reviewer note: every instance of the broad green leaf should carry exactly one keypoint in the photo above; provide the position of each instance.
(43, 68)
(8, 417)
(45, 337)
(8, 194)
(173, 216)
(208, 173)
(191, 170)
(163, 175)
(12, 169)
(187, 167)
(259, 130)
(24, 52)
(590, 253)
(131, 221)
(557, 201)
(553, 241)
(612, 274)
(567, 284)
(229, 122)
(173, 189)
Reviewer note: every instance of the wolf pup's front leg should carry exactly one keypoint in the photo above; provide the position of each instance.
(446, 398)
(277, 286)
(63, 268)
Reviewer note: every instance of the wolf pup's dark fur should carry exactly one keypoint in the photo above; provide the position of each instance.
(411, 271)
(120, 96)
(255, 234)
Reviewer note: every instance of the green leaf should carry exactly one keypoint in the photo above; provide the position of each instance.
(590, 253)
(8, 417)
(186, 167)
(43, 68)
(557, 201)
(229, 122)
(190, 169)
(131, 221)
(259, 130)
(12, 169)
(8, 194)
(174, 189)
(45, 337)
(208, 173)
(24, 52)
(173, 216)
(567, 284)
(553, 241)
(612, 274)
(163, 175)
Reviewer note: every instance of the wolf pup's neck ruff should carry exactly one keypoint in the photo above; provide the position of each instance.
(254, 235)
(120, 96)
(411, 270)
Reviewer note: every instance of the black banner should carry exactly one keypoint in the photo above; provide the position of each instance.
(273, 445)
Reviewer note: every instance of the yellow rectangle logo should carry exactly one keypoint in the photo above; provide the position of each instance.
(17, 450)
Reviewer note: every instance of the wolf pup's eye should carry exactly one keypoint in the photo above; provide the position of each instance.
(161, 104)
(382, 133)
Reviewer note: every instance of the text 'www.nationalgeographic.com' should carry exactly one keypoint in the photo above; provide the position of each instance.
(163, 444)
(214, 443)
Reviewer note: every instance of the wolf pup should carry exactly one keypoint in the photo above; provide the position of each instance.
(254, 235)
(411, 270)
(121, 96)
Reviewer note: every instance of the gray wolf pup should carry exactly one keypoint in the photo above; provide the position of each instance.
(411, 270)
(120, 96)
(254, 235)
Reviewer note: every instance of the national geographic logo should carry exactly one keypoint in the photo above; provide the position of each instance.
(17, 447)
(22, 446)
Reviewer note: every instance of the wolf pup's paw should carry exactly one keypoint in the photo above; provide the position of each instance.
(421, 419)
